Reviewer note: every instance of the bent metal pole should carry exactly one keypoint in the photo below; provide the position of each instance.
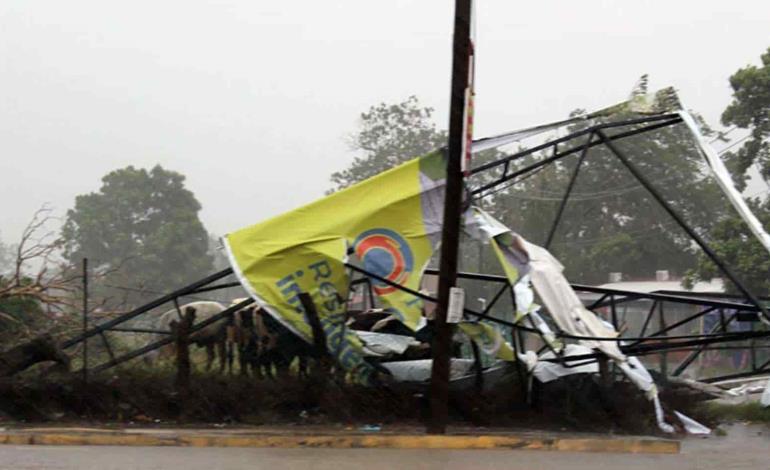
(450, 237)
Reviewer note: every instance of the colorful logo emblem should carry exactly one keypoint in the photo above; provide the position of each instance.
(385, 253)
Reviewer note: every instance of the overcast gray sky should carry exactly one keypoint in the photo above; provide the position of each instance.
(252, 101)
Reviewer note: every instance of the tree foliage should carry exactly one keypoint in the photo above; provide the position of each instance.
(390, 134)
(730, 237)
(145, 225)
(611, 223)
(750, 109)
(739, 248)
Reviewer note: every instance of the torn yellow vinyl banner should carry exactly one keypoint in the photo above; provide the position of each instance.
(489, 339)
(388, 225)
(520, 258)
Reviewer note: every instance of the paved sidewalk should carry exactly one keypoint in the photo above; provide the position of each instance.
(334, 437)
(745, 447)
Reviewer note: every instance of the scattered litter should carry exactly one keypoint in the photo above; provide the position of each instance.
(659, 417)
(746, 389)
(382, 344)
(765, 400)
(692, 426)
(419, 370)
(697, 386)
(546, 371)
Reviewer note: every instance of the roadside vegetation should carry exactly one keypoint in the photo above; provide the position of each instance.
(752, 412)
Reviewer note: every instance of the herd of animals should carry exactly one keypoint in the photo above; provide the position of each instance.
(263, 346)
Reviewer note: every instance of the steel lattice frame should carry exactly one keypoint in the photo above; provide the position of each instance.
(605, 134)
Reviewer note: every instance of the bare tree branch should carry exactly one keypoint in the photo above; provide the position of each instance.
(40, 275)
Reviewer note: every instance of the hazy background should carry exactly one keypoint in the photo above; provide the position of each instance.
(253, 100)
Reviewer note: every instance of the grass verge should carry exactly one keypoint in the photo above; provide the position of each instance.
(752, 412)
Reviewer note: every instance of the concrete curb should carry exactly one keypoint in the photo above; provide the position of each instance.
(203, 438)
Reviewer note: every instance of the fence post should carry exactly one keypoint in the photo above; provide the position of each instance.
(517, 343)
(85, 319)
(478, 368)
(605, 378)
(181, 330)
(319, 336)
(663, 355)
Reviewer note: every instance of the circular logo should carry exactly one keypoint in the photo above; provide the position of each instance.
(386, 254)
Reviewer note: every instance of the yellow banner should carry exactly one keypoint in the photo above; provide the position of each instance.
(488, 339)
(388, 225)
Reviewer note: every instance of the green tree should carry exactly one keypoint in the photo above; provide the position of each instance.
(390, 134)
(611, 223)
(750, 109)
(144, 225)
(739, 248)
(731, 238)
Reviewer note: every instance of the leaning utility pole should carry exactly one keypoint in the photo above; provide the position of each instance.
(457, 151)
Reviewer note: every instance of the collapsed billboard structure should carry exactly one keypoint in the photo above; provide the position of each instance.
(388, 225)
(387, 228)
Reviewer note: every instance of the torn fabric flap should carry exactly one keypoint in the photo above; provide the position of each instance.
(488, 143)
(489, 339)
(547, 371)
(765, 399)
(381, 344)
(692, 426)
(662, 101)
(518, 257)
(546, 331)
(419, 370)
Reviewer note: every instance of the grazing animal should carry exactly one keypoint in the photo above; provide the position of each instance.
(273, 346)
(212, 336)
(248, 335)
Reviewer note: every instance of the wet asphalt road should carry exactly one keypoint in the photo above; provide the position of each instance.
(745, 447)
